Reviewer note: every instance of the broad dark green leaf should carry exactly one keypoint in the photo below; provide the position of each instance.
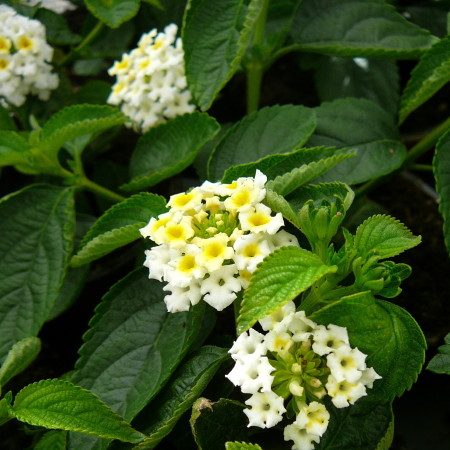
(361, 126)
(269, 131)
(357, 28)
(215, 423)
(215, 36)
(441, 168)
(386, 333)
(52, 440)
(38, 230)
(373, 79)
(58, 404)
(383, 236)
(6, 120)
(56, 28)
(360, 427)
(113, 12)
(431, 73)
(20, 356)
(429, 15)
(185, 387)
(118, 226)
(132, 347)
(169, 148)
(441, 362)
(282, 276)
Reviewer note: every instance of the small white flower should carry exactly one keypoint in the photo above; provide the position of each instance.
(302, 439)
(330, 338)
(259, 220)
(266, 411)
(346, 363)
(214, 251)
(278, 342)
(313, 418)
(301, 327)
(181, 298)
(344, 393)
(183, 268)
(282, 239)
(273, 320)
(156, 260)
(57, 6)
(250, 250)
(368, 377)
(248, 344)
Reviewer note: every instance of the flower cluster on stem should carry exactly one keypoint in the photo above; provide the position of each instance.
(151, 85)
(211, 240)
(24, 59)
(292, 367)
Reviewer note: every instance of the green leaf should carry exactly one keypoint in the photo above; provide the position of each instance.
(58, 404)
(241, 446)
(5, 408)
(359, 427)
(441, 165)
(383, 236)
(441, 362)
(387, 334)
(185, 387)
(56, 28)
(213, 424)
(113, 12)
(14, 149)
(20, 356)
(277, 203)
(35, 244)
(52, 440)
(357, 28)
(271, 130)
(133, 346)
(77, 120)
(6, 120)
(215, 36)
(282, 276)
(118, 226)
(375, 80)
(169, 148)
(431, 73)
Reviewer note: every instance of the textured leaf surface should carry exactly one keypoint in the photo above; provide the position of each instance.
(169, 148)
(241, 446)
(185, 387)
(20, 356)
(14, 149)
(214, 424)
(271, 130)
(38, 229)
(113, 12)
(431, 73)
(119, 226)
(277, 203)
(215, 36)
(373, 79)
(441, 168)
(58, 404)
(359, 427)
(441, 362)
(78, 120)
(282, 276)
(132, 347)
(357, 28)
(383, 236)
(52, 440)
(387, 334)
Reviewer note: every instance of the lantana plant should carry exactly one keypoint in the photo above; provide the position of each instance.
(195, 177)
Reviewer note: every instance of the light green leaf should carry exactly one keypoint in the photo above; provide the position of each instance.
(441, 362)
(357, 28)
(215, 423)
(271, 130)
(383, 236)
(169, 148)
(373, 79)
(20, 356)
(241, 446)
(6, 120)
(277, 203)
(441, 164)
(360, 427)
(189, 381)
(282, 276)
(118, 226)
(113, 12)
(14, 149)
(58, 404)
(5, 408)
(387, 334)
(215, 36)
(77, 120)
(35, 244)
(133, 346)
(52, 440)
(431, 73)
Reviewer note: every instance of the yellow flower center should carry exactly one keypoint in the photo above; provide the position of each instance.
(3, 64)
(214, 250)
(251, 251)
(187, 264)
(24, 43)
(258, 219)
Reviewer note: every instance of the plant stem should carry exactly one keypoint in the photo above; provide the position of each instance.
(82, 45)
(422, 167)
(100, 190)
(255, 66)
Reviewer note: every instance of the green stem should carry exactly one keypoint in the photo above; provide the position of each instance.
(82, 45)
(255, 66)
(100, 190)
(422, 167)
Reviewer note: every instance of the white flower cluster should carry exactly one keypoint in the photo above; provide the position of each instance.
(151, 85)
(57, 6)
(292, 367)
(24, 58)
(211, 240)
